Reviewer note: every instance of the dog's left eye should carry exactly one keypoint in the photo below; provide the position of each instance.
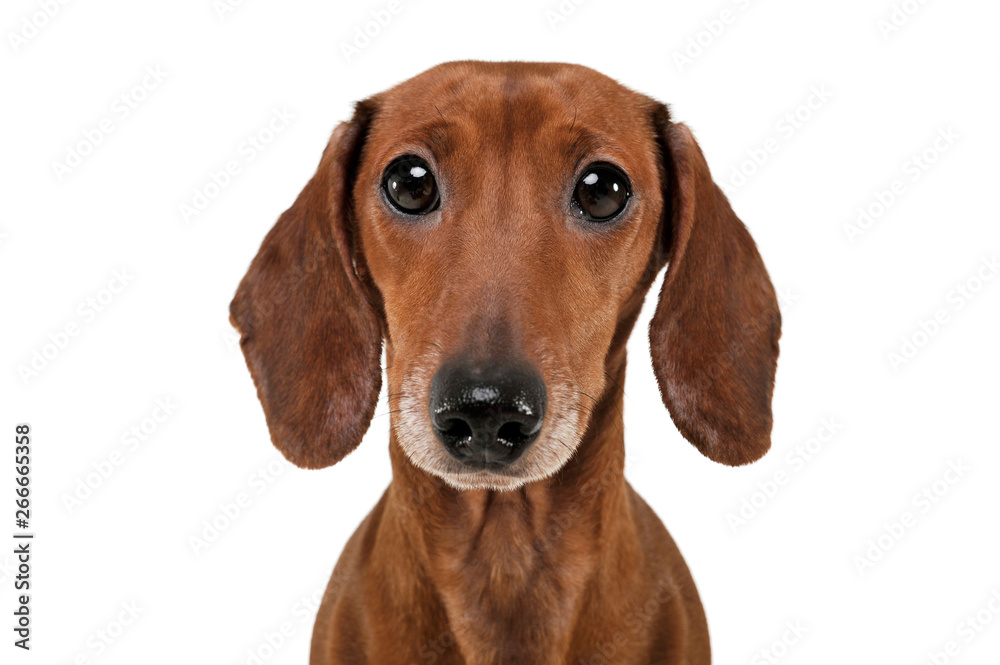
(410, 186)
(600, 193)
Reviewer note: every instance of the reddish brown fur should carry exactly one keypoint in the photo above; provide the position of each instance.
(573, 567)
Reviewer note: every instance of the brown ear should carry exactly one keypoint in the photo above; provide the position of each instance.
(310, 336)
(714, 337)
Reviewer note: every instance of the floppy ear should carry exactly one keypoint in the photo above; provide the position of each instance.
(310, 336)
(714, 336)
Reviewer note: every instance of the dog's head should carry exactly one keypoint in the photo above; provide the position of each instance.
(498, 225)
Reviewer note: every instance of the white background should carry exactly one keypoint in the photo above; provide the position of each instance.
(847, 306)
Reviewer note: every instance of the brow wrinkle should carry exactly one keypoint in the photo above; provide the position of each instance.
(442, 115)
(584, 144)
(438, 138)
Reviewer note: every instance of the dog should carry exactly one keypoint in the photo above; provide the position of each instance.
(497, 225)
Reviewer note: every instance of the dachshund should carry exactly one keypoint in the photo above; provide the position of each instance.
(497, 226)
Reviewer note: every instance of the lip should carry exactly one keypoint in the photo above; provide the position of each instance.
(470, 468)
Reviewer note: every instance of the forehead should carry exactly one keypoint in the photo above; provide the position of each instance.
(511, 107)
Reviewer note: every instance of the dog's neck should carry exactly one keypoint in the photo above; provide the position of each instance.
(488, 554)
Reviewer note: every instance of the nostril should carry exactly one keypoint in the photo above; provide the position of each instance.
(456, 431)
(513, 434)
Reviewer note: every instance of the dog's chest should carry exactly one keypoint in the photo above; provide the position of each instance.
(510, 586)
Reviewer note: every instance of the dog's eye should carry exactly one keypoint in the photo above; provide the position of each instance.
(410, 186)
(600, 193)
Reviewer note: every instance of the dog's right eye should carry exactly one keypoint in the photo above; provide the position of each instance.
(601, 193)
(410, 186)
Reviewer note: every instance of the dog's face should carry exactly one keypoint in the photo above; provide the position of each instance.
(506, 263)
(499, 224)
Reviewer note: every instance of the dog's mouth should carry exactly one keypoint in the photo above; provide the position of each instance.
(476, 474)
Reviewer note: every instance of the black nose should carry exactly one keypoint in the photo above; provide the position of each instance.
(487, 415)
